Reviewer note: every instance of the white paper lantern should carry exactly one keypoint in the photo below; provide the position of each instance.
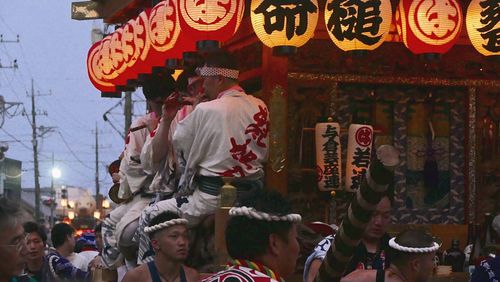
(283, 25)
(358, 25)
(483, 26)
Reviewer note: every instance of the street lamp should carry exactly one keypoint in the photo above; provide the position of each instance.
(105, 204)
(56, 173)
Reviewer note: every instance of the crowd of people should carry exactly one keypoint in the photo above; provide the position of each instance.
(198, 130)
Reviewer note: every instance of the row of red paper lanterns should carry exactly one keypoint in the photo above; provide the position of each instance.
(157, 34)
(173, 26)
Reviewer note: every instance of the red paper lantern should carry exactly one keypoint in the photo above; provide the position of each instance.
(99, 66)
(164, 31)
(211, 20)
(136, 47)
(429, 26)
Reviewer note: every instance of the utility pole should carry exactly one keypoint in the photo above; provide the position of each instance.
(44, 130)
(35, 153)
(128, 111)
(97, 196)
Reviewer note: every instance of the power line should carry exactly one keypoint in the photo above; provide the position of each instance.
(15, 139)
(73, 153)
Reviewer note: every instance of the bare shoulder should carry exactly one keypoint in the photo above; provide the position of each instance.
(360, 275)
(191, 274)
(140, 273)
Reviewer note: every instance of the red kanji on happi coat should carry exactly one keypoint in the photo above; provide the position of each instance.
(257, 132)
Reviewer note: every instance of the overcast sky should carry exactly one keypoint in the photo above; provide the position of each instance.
(53, 50)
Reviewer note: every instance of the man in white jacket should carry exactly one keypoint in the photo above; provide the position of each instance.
(224, 137)
(121, 224)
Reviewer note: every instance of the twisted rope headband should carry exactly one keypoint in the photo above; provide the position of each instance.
(214, 71)
(253, 213)
(396, 246)
(165, 224)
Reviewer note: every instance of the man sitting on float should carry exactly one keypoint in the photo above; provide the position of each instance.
(224, 137)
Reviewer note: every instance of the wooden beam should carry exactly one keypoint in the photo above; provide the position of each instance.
(410, 80)
(111, 11)
(86, 10)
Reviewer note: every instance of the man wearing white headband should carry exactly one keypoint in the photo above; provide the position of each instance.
(120, 225)
(412, 260)
(169, 237)
(261, 238)
(157, 155)
(224, 137)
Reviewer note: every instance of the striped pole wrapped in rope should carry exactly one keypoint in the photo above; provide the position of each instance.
(378, 177)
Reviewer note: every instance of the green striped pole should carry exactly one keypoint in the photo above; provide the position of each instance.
(378, 177)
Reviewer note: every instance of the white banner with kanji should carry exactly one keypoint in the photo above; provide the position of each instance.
(328, 156)
(359, 150)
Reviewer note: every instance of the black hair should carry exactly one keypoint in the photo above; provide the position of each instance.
(33, 227)
(98, 228)
(158, 85)
(221, 59)
(162, 217)
(412, 238)
(389, 193)
(59, 233)
(248, 238)
(182, 80)
(10, 213)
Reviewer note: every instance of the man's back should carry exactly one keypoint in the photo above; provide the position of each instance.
(226, 136)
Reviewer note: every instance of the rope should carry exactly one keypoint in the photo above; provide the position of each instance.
(253, 213)
(393, 244)
(377, 179)
(165, 224)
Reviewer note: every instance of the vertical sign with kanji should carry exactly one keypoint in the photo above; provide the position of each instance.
(483, 26)
(358, 24)
(359, 150)
(328, 156)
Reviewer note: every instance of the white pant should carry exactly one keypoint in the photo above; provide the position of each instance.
(115, 225)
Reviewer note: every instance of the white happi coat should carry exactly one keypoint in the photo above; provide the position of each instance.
(132, 179)
(132, 174)
(227, 136)
(165, 172)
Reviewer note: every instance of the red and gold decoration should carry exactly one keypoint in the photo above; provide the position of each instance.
(284, 25)
(429, 26)
(483, 26)
(358, 25)
(210, 20)
(328, 155)
(136, 47)
(359, 151)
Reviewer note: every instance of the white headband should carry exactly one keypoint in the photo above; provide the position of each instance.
(214, 71)
(253, 213)
(396, 246)
(165, 224)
